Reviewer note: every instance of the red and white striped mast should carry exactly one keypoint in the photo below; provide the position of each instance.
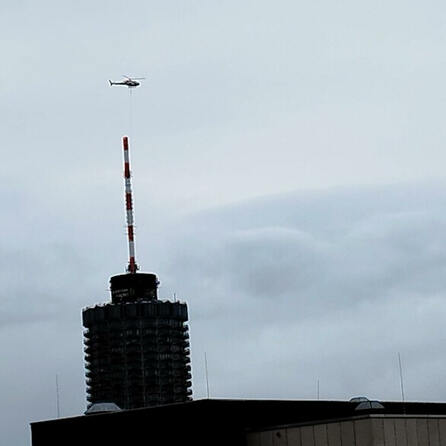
(132, 267)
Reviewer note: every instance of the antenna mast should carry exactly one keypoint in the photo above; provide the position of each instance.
(132, 266)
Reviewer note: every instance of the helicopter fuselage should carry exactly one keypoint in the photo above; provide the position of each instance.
(127, 83)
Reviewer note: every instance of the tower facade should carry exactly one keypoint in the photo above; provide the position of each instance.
(136, 346)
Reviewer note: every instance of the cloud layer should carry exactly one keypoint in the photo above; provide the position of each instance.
(242, 99)
(291, 289)
(283, 291)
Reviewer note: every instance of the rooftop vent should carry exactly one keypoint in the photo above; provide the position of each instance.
(359, 399)
(102, 408)
(369, 405)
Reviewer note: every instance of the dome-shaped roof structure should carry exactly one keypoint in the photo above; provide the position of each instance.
(102, 407)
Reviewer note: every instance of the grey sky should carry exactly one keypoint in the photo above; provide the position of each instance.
(288, 164)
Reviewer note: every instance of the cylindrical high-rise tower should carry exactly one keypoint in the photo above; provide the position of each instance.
(136, 346)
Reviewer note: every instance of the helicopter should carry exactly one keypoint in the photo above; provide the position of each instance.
(128, 82)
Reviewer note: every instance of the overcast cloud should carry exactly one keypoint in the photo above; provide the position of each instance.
(288, 162)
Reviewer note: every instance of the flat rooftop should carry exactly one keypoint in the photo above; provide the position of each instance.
(218, 421)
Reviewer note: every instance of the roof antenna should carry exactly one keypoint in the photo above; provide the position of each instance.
(401, 377)
(57, 396)
(207, 375)
(132, 266)
(318, 393)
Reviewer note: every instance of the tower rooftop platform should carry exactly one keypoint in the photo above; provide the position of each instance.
(132, 287)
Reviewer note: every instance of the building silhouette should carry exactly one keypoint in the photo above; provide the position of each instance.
(255, 423)
(136, 346)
